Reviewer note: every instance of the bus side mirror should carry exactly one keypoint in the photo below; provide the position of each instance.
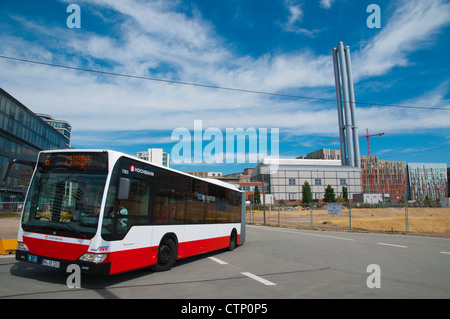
(124, 188)
(6, 169)
(3, 173)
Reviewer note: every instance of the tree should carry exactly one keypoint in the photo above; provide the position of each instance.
(306, 193)
(257, 198)
(339, 199)
(345, 194)
(329, 197)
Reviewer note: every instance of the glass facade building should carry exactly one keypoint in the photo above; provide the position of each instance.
(22, 135)
(61, 126)
(427, 179)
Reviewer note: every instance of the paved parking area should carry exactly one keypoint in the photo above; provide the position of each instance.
(273, 263)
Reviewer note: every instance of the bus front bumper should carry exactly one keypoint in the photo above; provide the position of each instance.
(86, 267)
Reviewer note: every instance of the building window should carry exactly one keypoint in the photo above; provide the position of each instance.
(318, 181)
(343, 182)
(291, 181)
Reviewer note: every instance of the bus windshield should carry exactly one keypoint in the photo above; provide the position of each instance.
(64, 198)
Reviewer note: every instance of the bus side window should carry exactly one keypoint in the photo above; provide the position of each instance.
(176, 208)
(210, 210)
(161, 210)
(138, 202)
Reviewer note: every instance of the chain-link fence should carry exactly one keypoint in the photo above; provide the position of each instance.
(10, 208)
(429, 219)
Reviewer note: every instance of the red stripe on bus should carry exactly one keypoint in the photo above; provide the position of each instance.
(55, 249)
(192, 248)
(127, 260)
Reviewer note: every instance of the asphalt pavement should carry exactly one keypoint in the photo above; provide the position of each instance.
(274, 263)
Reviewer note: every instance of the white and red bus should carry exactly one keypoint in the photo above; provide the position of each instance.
(109, 213)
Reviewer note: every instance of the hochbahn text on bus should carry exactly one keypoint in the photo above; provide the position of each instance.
(110, 213)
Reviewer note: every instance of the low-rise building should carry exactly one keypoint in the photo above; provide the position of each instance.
(285, 178)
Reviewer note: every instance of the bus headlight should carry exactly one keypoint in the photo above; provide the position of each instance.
(93, 258)
(22, 247)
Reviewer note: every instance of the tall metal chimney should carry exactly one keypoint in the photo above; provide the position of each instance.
(339, 108)
(351, 92)
(348, 130)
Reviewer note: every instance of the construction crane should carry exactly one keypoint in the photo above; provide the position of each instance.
(367, 136)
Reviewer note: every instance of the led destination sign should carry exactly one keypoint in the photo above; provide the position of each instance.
(75, 161)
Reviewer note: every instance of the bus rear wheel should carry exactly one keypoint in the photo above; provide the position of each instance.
(233, 240)
(167, 254)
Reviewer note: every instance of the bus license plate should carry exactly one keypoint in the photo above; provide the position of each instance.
(51, 263)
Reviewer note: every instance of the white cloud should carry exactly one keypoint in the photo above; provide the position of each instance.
(326, 3)
(296, 14)
(410, 28)
(154, 40)
(294, 20)
(404, 120)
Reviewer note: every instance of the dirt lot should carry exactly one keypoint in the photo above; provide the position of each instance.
(421, 221)
(9, 227)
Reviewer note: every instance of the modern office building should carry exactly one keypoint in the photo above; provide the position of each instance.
(155, 156)
(427, 179)
(397, 180)
(61, 126)
(384, 177)
(22, 135)
(387, 178)
(286, 182)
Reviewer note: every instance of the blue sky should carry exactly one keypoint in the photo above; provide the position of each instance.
(281, 47)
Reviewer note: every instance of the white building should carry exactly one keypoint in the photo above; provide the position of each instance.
(284, 178)
(155, 156)
(371, 198)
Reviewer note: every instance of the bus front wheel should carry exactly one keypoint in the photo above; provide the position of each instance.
(167, 254)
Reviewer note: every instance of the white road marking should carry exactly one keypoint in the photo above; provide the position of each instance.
(392, 245)
(217, 260)
(257, 278)
(445, 252)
